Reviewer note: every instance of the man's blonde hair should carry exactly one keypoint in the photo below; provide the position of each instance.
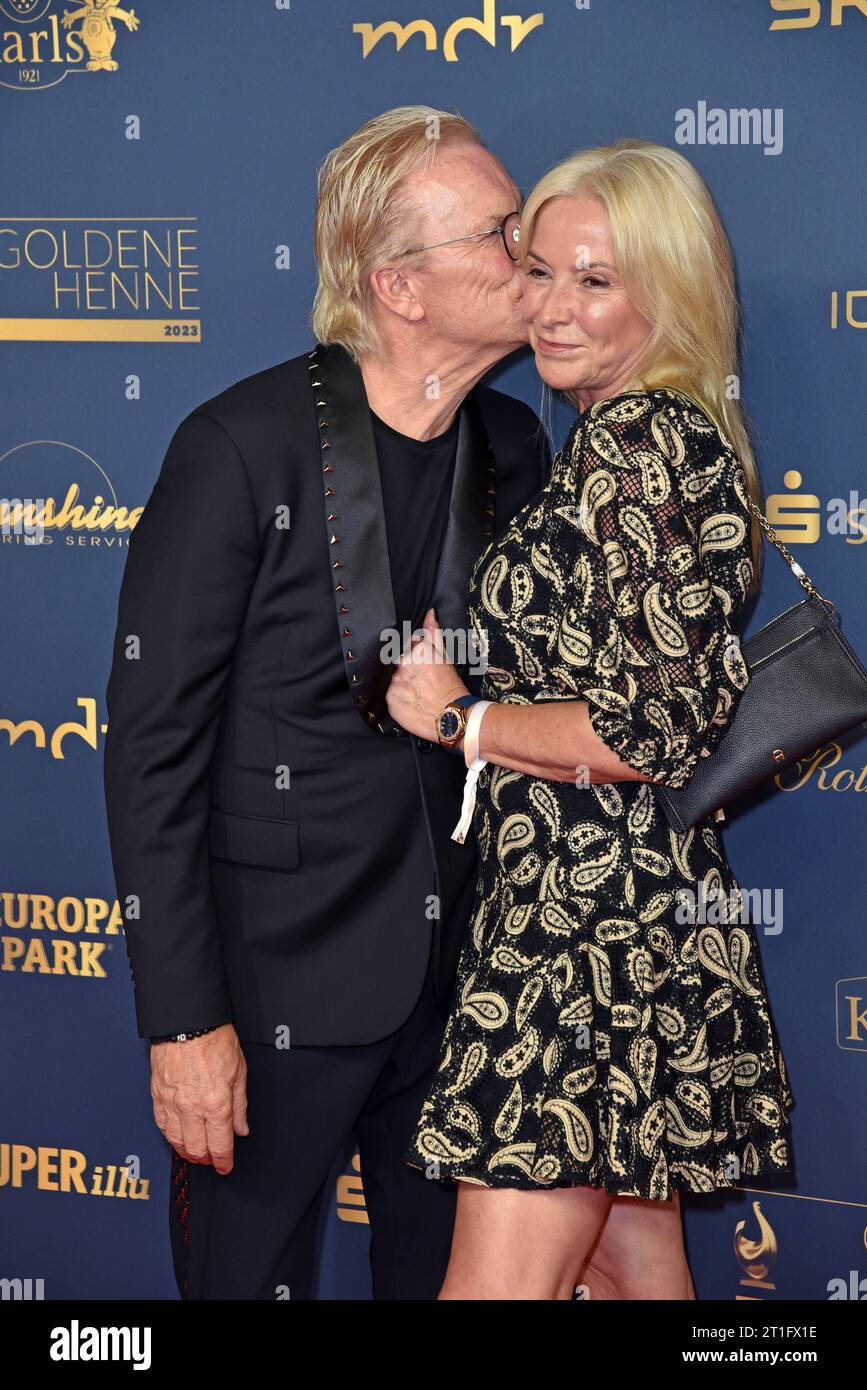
(676, 263)
(363, 216)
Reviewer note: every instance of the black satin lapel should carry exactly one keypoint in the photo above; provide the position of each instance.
(470, 522)
(355, 527)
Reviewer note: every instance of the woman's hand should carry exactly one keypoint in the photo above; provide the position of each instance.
(423, 682)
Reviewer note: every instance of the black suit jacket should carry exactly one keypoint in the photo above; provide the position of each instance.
(278, 850)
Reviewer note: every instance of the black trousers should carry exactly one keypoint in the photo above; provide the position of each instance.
(252, 1233)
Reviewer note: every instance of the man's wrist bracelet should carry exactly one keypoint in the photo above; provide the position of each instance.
(185, 1037)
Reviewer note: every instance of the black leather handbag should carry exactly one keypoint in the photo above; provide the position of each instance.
(806, 686)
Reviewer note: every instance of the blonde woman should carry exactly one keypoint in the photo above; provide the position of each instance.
(610, 1042)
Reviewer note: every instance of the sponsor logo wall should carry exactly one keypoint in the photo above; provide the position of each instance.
(158, 177)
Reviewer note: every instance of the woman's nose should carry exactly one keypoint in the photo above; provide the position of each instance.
(554, 308)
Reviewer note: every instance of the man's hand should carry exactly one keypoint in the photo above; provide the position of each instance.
(199, 1091)
(424, 682)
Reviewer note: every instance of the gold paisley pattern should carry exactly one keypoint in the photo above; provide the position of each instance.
(598, 1035)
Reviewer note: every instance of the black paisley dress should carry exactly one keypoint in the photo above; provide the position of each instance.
(610, 1025)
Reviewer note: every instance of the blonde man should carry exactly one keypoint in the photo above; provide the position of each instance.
(300, 904)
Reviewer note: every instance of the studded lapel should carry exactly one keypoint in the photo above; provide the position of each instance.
(355, 526)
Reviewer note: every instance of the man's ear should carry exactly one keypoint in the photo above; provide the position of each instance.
(395, 291)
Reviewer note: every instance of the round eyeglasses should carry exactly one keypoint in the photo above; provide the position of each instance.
(509, 229)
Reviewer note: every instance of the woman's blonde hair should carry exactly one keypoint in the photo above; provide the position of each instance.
(676, 263)
(363, 216)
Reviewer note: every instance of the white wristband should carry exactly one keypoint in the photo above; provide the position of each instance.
(474, 766)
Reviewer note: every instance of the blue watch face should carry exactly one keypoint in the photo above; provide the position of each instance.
(449, 724)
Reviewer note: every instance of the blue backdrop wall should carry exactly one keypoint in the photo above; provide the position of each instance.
(155, 246)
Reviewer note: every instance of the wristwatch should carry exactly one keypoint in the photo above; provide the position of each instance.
(451, 724)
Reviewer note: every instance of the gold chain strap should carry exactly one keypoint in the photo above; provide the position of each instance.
(803, 579)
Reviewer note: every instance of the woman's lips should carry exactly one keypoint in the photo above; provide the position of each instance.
(555, 349)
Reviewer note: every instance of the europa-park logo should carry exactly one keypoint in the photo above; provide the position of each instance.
(48, 42)
(67, 936)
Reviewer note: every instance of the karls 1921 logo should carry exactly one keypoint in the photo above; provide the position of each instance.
(48, 43)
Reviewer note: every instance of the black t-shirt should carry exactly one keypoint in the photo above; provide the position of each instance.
(416, 477)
